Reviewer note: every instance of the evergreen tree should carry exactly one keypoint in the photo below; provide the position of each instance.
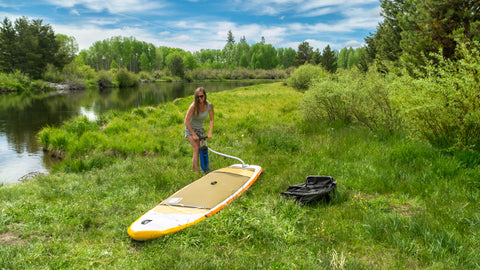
(388, 36)
(364, 60)
(316, 57)
(304, 53)
(229, 51)
(329, 59)
(28, 46)
(7, 46)
(414, 28)
(429, 26)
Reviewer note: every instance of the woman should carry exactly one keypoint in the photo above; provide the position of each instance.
(196, 115)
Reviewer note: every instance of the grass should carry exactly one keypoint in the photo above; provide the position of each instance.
(399, 204)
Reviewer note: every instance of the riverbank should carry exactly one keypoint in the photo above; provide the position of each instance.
(23, 115)
(399, 204)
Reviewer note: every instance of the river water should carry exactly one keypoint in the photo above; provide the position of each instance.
(23, 116)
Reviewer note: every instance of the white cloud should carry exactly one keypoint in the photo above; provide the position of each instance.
(320, 45)
(86, 35)
(113, 6)
(74, 12)
(102, 22)
(353, 44)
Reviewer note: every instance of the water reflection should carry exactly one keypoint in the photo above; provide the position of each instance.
(23, 116)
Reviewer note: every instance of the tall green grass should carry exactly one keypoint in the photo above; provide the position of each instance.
(400, 204)
(19, 82)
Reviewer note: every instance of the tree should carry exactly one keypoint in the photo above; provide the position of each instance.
(343, 58)
(67, 50)
(364, 60)
(429, 26)
(413, 29)
(329, 59)
(352, 58)
(243, 51)
(189, 61)
(287, 57)
(7, 46)
(28, 46)
(316, 57)
(388, 36)
(175, 65)
(304, 53)
(229, 51)
(145, 63)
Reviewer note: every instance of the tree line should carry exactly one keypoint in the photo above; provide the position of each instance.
(136, 56)
(32, 47)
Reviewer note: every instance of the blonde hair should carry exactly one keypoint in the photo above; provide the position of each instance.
(196, 106)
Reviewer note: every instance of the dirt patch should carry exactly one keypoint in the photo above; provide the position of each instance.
(9, 238)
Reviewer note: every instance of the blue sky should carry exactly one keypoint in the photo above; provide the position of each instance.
(203, 24)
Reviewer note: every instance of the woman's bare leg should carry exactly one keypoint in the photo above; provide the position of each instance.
(196, 150)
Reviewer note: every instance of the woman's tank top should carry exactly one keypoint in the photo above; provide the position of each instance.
(197, 120)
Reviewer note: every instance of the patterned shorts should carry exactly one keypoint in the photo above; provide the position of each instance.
(199, 131)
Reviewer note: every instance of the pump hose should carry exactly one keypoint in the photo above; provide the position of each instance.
(228, 156)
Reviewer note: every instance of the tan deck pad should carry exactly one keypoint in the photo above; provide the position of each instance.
(208, 191)
(237, 170)
(166, 209)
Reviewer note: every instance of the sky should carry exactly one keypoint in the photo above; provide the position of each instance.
(193, 25)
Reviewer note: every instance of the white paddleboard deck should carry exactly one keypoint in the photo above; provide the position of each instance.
(195, 202)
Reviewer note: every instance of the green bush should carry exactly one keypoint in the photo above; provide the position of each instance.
(303, 77)
(371, 102)
(442, 103)
(16, 81)
(325, 101)
(126, 78)
(145, 76)
(105, 79)
(53, 75)
(353, 96)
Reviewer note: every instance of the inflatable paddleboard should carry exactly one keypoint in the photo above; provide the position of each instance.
(195, 202)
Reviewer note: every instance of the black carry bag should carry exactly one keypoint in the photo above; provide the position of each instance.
(315, 188)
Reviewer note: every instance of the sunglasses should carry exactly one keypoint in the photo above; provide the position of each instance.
(200, 96)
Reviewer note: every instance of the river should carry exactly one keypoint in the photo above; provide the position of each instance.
(23, 116)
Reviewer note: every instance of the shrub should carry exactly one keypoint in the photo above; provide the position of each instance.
(16, 81)
(325, 101)
(371, 102)
(442, 103)
(53, 75)
(126, 78)
(145, 76)
(303, 77)
(157, 74)
(352, 96)
(105, 79)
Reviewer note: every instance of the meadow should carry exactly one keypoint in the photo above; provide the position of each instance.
(399, 204)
